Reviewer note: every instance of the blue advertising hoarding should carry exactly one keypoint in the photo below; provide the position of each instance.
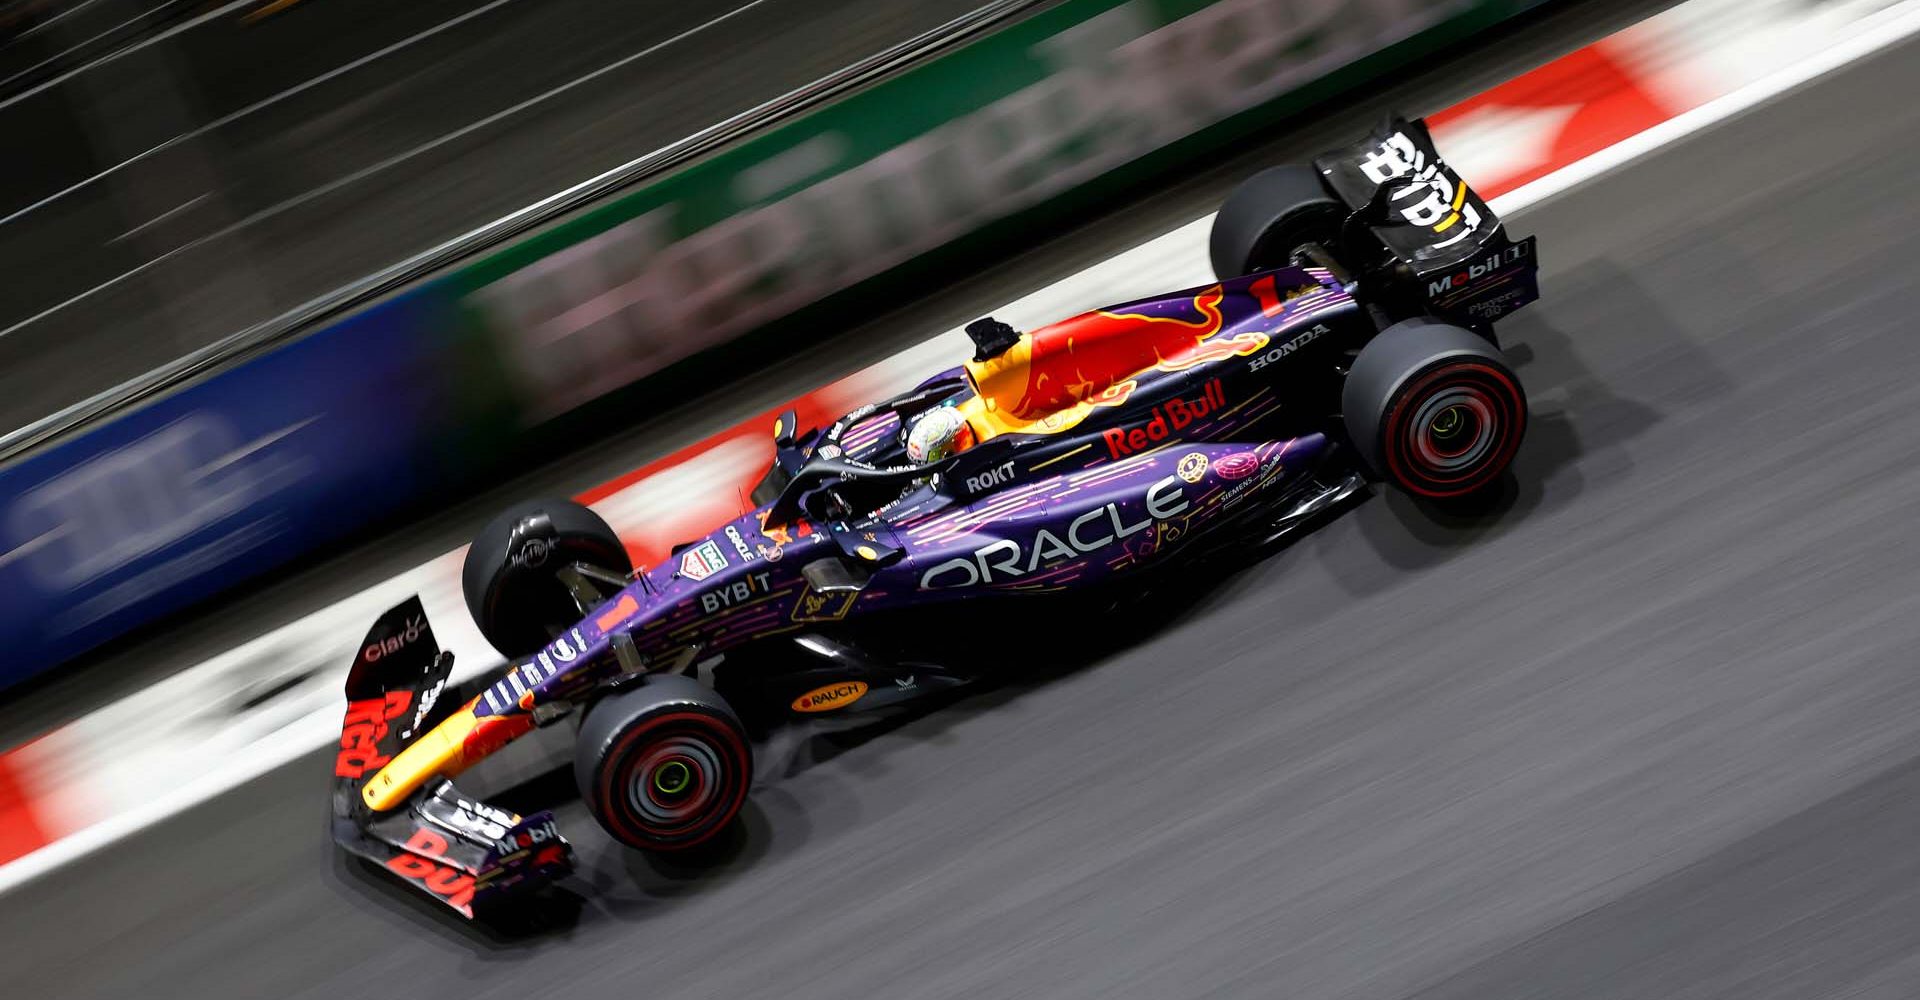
(236, 475)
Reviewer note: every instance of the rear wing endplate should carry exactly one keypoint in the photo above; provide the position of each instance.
(1454, 248)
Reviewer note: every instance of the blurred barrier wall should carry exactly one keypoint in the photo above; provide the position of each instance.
(392, 406)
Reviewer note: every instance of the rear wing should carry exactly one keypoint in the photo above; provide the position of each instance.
(1458, 253)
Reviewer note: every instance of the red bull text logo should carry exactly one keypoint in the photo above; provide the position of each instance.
(420, 864)
(1168, 418)
(362, 730)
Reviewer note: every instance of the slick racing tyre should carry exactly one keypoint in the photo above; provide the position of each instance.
(1270, 214)
(1434, 409)
(509, 576)
(664, 766)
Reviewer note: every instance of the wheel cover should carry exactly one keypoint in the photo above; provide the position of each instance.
(1454, 429)
(673, 780)
(673, 783)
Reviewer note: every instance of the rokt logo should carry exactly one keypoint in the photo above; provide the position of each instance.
(990, 478)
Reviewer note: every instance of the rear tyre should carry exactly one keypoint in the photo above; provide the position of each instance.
(510, 580)
(664, 766)
(1434, 409)
(1268, 216)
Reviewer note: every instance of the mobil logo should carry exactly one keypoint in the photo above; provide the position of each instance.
(1478, 269)
(1167, 418)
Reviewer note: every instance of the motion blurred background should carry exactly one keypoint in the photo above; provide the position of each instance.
(197, 169)
(301, 291)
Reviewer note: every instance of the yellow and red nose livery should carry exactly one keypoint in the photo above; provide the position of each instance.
(451, 747)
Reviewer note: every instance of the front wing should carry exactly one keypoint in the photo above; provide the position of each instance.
(461, 851)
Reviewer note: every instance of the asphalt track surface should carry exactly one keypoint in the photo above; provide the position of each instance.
(241, 169)
(1649, 729)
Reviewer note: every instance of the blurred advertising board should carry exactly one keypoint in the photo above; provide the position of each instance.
(238, 474)
(1042, 109)
(396, 406)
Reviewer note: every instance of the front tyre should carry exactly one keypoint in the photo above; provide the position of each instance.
(664, 766)
(1434, 409)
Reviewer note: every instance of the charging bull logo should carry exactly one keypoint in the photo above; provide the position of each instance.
(783, 535)
(1054, 375)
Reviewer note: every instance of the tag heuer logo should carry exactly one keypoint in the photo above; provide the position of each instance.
(702, 561)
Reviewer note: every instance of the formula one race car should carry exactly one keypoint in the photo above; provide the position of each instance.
(1349, 337)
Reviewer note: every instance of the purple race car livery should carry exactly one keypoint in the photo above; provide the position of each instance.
(1348, 339)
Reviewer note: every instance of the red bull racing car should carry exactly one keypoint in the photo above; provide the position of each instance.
(1349, 338)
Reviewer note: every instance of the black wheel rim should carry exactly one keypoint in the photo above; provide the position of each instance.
(1455, 430)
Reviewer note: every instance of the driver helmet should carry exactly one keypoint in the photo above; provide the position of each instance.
(938, 434)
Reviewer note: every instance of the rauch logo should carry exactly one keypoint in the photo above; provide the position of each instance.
(826, 699)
